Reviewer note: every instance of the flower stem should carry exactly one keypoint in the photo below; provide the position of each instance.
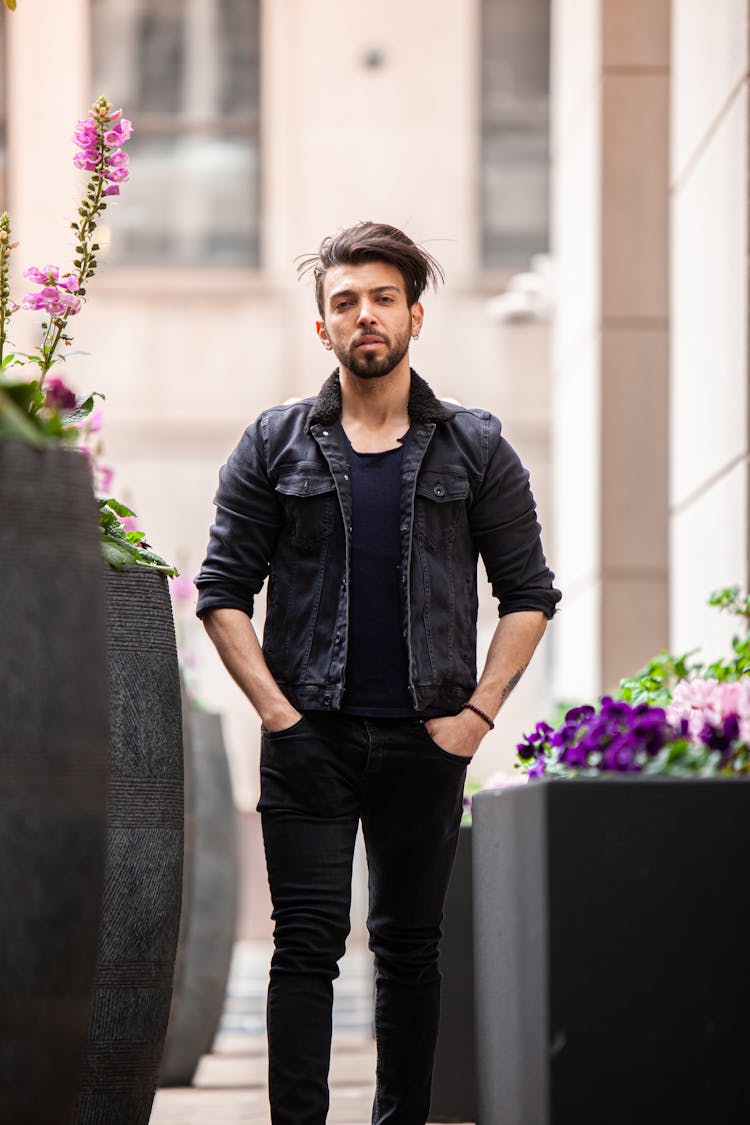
(5, 249)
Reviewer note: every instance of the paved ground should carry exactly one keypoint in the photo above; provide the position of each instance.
(230, 1086)
(230, 1083)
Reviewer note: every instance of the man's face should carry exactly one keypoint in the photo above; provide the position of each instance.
(368, 323)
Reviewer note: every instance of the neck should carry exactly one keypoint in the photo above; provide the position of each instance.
(376, 403)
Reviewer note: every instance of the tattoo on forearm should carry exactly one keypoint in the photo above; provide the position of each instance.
(512, 683)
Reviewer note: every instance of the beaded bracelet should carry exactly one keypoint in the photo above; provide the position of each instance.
(477, 711)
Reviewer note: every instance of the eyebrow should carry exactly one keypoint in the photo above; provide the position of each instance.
(353, 293)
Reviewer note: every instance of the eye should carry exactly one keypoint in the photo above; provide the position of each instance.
(341, 305)
(386, 300)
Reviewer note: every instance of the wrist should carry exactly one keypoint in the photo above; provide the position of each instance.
(479, 713)
(276, 713)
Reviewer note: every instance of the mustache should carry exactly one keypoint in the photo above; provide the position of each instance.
(362, 336)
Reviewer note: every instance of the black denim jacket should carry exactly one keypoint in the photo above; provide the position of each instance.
(284, 508)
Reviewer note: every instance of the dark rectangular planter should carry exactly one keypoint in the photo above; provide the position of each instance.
(612, 938)
(453, 1084)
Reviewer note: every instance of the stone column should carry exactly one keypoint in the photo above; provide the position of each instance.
(709, 370)
(610, 130)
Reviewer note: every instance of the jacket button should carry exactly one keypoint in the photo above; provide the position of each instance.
(326, 701)
(346, 476)
(405, 526)
(337, 639)
(439, 490)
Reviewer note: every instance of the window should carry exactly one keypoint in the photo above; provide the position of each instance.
(515, 127)
(186, 72)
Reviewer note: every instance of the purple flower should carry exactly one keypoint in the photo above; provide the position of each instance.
(576, 713)
(619, 755)
(113, 189)
(58, 395)
(574, 755)
(537, 770)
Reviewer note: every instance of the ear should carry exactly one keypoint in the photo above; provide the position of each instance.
(320, 328)
(417, 318)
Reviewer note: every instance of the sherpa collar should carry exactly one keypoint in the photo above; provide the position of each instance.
(423, 405)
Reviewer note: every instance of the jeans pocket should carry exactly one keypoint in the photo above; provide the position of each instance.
(460, 759)
(274, 734)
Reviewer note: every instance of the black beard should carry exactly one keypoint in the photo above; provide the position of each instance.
(369, 366)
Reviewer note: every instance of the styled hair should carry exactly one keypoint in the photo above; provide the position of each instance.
(374, 242)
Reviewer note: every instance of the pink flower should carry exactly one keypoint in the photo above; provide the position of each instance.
(115, 115)
(105, 474)
(118, 135)
(113, 189)
(58, 395)
(118, 159)
(47, 276)
(702, 701)
(70, 282)
(87, 161)
(182, 588)
(130, 523)
(117, 175)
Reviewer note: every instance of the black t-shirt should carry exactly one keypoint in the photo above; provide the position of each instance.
(377, 668)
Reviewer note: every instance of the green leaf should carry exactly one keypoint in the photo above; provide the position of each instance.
(16, 424)
(84, 408)
(118, 506)
(117, 554)
(135, 536)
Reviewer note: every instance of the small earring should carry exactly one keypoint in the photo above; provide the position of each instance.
(415, 336)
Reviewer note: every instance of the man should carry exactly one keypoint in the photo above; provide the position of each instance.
(368, 506)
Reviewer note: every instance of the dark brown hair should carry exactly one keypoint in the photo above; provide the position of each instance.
(374, 242)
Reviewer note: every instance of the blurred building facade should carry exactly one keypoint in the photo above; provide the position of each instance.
(650, 353)
(611, 132)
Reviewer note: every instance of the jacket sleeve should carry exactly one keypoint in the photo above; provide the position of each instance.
(507, 533)
(244, 534)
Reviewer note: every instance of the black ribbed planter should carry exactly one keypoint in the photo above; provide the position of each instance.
(453, 1081)
(211, 878)
(144, 855)
(612, 928)
(54, 736)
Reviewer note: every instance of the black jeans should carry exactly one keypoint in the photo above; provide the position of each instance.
(318, 778)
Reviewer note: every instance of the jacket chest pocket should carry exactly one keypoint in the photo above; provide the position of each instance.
(309, 499)
(439, 506)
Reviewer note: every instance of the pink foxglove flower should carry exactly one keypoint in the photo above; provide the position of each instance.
(182, 588)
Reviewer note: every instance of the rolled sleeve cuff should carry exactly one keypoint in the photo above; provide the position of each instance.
(210, 598)
(546, 601)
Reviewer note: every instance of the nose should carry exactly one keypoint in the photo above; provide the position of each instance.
(365, 315)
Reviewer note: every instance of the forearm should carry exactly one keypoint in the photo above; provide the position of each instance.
(511, 649)
(236, 642)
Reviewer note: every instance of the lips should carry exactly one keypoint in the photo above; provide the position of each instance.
(364, 341)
